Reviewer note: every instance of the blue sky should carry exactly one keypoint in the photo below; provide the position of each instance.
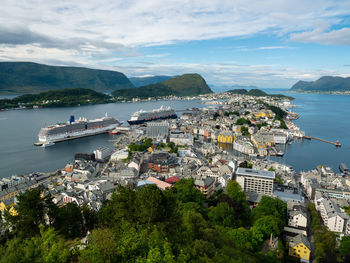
(270, 44)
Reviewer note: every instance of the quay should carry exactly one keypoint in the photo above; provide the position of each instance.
(337, 144)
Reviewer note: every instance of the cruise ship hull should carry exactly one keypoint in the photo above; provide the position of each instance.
(73, 137)
(174, 116)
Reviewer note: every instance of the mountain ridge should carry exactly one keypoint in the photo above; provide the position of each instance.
(190, 84)
(144, 81)
(323, 84)
(30, 77)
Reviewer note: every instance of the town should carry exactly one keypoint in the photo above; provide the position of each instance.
(231, 139)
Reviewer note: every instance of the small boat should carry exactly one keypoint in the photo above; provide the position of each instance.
(47, 144)
(280, 153)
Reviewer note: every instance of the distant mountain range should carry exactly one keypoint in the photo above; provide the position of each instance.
(144, 81)
(184, 85)
(323, 84)
(28, 77)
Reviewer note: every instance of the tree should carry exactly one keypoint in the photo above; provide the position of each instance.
(70, 221)
(344, 249)
(234, 190)
(241, 237)
(269, 206)
(185, 191)
(31, 211)
(222, 215)
(263, 228)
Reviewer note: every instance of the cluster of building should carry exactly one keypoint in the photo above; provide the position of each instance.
(212, 145)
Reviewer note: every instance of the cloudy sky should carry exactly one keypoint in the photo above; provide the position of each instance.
(271, 43)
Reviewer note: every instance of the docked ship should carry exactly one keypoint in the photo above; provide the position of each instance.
(142, 116)
(74, 129)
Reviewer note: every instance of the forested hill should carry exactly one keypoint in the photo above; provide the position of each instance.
(324, 84)
(144, 81)
(57, 98)
(184, 85)
(258, 93)
(28, 77)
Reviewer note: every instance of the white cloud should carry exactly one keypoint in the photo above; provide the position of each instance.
(328, 37)
(101, 33)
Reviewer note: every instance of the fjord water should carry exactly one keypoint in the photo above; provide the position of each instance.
(19, 130)
(324, 116)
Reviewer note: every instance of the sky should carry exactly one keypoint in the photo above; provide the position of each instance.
(269, 44)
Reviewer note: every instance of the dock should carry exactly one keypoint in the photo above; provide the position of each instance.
(337, 144)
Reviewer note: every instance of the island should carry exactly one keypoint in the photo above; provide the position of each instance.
(56, 98)
(258, 93)
(326, 84)
(184, 85)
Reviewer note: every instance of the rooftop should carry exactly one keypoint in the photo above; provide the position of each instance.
(255, 173)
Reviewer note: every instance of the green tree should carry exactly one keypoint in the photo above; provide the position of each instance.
(344, 249)
(241, 238)
(70, 221)
(222, 215)
(185, 191)
(234, 190)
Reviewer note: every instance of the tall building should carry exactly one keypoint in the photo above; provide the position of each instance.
(157, 130)
(257, 181)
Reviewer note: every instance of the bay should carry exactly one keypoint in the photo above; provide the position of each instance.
(19, 130)
(323, 116)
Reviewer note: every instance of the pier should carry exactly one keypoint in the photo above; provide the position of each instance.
(337, 144)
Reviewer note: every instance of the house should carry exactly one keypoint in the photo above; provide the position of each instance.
(206, 186)
(299, 247)
(297, 218)
(223, 180)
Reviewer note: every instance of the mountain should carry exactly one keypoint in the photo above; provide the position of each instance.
(144, 81)
(28, 77)
(323, 84)
(184, 85)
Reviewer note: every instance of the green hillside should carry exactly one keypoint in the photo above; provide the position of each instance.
(28, 77)
(57, 98)
(185, 85)
(324, 84)
(144, 81)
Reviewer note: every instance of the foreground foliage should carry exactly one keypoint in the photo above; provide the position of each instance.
(147, 225)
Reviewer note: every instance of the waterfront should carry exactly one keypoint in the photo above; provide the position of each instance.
(19, 130)
(323, 116)
(326, 117)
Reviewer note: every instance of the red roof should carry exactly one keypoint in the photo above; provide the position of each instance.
(172, 180)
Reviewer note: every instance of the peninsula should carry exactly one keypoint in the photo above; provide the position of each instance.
(56, 98)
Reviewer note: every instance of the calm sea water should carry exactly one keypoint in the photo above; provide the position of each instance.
(324, 116)
(19, 130)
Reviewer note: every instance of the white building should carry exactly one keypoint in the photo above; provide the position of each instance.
(182, 139)
(297, 218)
(157, 130)
(257, 181)
(102, 153)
